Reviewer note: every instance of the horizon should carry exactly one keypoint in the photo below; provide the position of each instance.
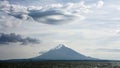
(60, 47)
(29, 28)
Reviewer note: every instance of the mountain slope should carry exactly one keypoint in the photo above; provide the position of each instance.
(62, 52)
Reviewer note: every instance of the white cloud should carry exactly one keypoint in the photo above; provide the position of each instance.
(49, 14)
(97, 23)
(100, 4)
(8, 21)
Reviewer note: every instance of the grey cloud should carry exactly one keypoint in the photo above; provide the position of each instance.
(109, 40)
(109, 50)
(15, 38)
(51, 16)
(21, 16)
(67, 1)
(41, 2)
(7, 20)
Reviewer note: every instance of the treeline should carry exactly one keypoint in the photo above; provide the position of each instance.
(59, 64)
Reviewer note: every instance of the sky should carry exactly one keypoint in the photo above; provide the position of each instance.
(29, 28)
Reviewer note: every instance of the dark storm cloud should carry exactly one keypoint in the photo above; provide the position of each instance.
(15, 38)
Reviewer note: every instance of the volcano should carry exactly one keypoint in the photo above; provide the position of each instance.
(61, 52)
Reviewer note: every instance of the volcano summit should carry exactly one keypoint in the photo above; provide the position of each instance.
(61, 52)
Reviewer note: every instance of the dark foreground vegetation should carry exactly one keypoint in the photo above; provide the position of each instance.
(60, 64)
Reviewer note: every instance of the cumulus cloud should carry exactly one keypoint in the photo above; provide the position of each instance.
(100, 4)
(15, 38)
(6, 14)
(8, 20)
(49, 14)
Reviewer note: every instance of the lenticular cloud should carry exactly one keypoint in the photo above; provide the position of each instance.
(50, 14)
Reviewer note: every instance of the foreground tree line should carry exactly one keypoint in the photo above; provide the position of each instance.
(60, 64)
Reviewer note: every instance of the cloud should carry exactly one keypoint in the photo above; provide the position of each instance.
(53, 14)
(7, 21)
(100, 4)
(50, 14)
(41, 2)
(15, 38)
(108, 50)
(7, 14)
